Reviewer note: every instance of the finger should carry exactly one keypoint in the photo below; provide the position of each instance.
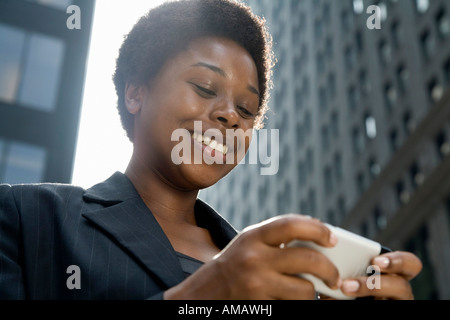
(294, 261)
(292, 288)
(386, 286)
(284, 229)
(401, 263)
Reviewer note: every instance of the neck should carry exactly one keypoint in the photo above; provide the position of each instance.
(166, 201)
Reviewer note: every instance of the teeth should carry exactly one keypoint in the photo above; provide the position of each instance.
(210, 142)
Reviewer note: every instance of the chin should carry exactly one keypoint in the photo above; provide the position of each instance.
(203, 178)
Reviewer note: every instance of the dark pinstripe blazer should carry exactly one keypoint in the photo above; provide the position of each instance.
(107, 231)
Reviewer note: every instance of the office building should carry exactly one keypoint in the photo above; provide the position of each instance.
(364, 127)
(42, 71)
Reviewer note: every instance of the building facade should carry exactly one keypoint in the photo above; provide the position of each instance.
(43, 54)
(364, 127)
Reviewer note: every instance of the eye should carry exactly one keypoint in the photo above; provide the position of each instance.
(245, 112)
(202, 91)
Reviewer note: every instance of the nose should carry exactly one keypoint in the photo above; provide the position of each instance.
(226, 114)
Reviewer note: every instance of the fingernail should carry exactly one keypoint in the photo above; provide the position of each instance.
(382, 262)
(338, 284)
(350, 286)
(333, 239)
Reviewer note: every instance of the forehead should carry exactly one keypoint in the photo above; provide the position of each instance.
(222, 53)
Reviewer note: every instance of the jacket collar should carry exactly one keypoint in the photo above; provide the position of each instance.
(127, 219)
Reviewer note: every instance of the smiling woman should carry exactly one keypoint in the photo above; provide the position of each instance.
(144, 234)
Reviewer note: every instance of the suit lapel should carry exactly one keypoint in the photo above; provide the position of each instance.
(128, 220)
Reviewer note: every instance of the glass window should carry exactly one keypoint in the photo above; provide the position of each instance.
(41, 72)
(435, 91)
(371, 127)
(422, 5)
(402, 78)
(428, 44)
(328, 180)
(385, 52)
(394, 141)
(338, 167)
(24, 164)
(358, 141)
(358, 6)
(443, 24)
(57, 4)
(12, 40)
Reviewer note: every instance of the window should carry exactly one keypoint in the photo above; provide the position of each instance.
(422, 5)
(447, 71)
(300, 134)
(380, 219)
(12, 40)
(435, 91)
(428, 44)
(325, 133)
(30, 66)
(416, 176)
(320, 63)
(371, 127)
(364, 82)
(328, 180)
(331, 217)
(334, 124)
(396, 34)
(358, 6)
(310, 161)
(359, 42)
(301, 171)
(383, 9)
(385, 52)
(374, 168)
(402, 78)
(337, 163)
(442, 145)
(350, 57)
(353, 98)
(323, 101)
(312, 201)
(332, 85)
(358, 141)
(42, 68)
(360, 183)
(402, 194)
(390, 96)
(394, 141)
(57, 4)
(23, 163)
(408, 123)
(443, 24)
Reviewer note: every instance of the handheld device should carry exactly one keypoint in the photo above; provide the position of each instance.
(351, 255)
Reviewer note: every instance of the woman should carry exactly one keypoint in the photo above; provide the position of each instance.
(144, 234)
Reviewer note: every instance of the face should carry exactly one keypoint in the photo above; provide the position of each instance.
(212, 87)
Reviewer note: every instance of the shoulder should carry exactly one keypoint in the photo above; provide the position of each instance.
(31, 194)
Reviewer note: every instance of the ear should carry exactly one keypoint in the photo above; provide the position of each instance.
(133, 98)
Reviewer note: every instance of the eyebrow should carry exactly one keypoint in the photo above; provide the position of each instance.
(222, 74)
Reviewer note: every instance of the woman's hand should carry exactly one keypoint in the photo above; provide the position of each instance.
(257, 265)
(397, 269)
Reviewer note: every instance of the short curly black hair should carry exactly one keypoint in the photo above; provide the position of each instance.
(169, 28)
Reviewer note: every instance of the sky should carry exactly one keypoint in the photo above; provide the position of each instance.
(102, 146)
